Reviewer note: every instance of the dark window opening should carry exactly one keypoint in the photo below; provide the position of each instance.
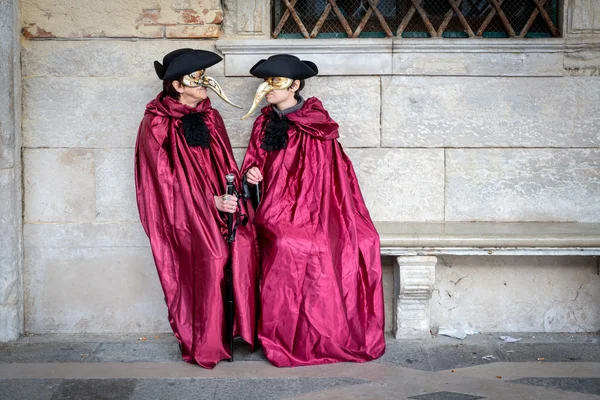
(415, 18)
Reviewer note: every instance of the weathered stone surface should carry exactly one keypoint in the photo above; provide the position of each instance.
(529, 237)
(241, 92)
(582, 60)
(239, 154)
(71, 235)
(115, 185)
(39, 389)
(59, 185)
(10, 227)
(53, 352)
(192, 31)
(11, 304)
(138, 18)
(99, 58)
(248, 18)
(142, 351)
(490, 112)
(334, 57)
(354, 102)
(98, 118)
(584, 16)
(516, 294)
(10, 321)
(356, 111)
(106, 115)
(387, 266)
(523, 185)
(414, 278)
(484, 63)
(105, 112)
(401, 184)
(9, 78)
(329, 64)
(100, 290)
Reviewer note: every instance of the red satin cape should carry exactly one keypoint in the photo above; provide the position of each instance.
(321, 287)
(175, 185)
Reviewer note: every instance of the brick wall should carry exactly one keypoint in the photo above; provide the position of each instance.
(121, 19)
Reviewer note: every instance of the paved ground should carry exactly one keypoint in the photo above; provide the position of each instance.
(541, 366)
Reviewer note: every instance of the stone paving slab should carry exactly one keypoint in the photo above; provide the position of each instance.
(125, 367)
(136, 352)
(47, 352)
(554, 352)
(581, 385)
(160, 389)
(329, 381)
(410, 354)
(30, 389)
(512, 371)
(460, 356)
(437, 354)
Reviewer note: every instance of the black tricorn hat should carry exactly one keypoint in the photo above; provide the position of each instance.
(284, 65)
(184, 61)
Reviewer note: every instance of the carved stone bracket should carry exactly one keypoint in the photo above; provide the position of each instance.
(414, 278)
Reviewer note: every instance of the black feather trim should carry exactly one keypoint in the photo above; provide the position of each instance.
(276, 135)
(195, 131)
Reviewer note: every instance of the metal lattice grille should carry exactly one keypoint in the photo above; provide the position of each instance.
(415, 18)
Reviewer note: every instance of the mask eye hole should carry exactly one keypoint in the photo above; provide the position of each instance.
(280, 82)
(197, 77)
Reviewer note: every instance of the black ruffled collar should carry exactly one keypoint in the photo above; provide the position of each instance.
(276, 136)
(195, 131)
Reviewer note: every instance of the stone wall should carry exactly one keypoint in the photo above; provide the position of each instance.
(475, 132)
(11, 294)
(517, 294)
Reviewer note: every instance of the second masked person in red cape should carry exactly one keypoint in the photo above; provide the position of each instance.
(321, 294)
(182, 156)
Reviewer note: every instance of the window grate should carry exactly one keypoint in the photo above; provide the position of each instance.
(415, 18)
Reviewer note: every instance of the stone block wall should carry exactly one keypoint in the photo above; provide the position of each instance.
(88, 266)
(517, 294)
(451, 135)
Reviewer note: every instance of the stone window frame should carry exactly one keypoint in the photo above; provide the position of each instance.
(248, 40)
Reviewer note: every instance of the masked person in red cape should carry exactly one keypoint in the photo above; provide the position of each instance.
(321, 293)
(182, 156)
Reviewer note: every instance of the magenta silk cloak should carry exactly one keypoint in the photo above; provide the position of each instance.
(175, 185)
(321, 293)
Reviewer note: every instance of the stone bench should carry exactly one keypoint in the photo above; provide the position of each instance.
(417, 245)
